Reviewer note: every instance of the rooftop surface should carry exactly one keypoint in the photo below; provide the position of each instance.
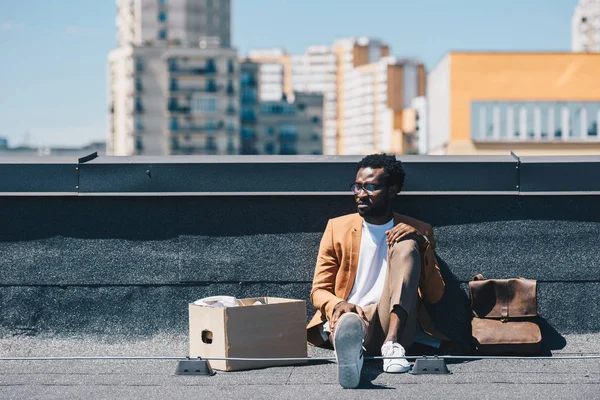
(101, 258)
(155, 379)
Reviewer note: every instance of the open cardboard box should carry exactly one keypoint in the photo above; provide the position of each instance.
(274, 329)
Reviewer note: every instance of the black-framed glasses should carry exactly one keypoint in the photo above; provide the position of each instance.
(367, 187)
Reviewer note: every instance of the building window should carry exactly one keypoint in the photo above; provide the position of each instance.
(163, 2)
(534, 120)
(138, 84)
(203, 105)
(172, 64)
(139, 64)
(174, 125)
(211, 66)
(248, 115)
(162, 34)
(269, 131)
(269, 148)
(162, 16)
(139, 108)
(247, 133)
(315, 120)
(231, 147)
(173, 104)
(211, 144)
(139, 124)
(139, 145)
(230, 66)
(288, 130)
(288, 147)
(173, 84)
(211, 125)
(247, 79)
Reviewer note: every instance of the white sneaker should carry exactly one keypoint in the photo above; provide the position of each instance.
(347, 340)
(394, 365)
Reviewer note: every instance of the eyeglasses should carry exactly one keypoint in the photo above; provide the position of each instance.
(368, 187)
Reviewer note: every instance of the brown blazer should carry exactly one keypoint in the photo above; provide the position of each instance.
(337, 264)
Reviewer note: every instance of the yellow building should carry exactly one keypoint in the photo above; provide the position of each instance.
(529, 103)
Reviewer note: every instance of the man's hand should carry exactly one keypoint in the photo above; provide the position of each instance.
(344, 307)
(403, 231)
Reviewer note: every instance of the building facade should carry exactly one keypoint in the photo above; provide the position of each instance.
(315, 72)
(173, 90)
(529, 103)
(178, 22)
(586, 26)
(291, 127)
(275, 73)
(364, 91)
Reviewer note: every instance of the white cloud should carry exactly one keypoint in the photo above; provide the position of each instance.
(10, 26)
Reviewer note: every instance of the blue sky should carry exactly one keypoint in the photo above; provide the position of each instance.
(53, 52)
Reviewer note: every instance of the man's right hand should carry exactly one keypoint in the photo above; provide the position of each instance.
(344, 307)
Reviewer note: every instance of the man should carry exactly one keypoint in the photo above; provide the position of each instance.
(373, 271)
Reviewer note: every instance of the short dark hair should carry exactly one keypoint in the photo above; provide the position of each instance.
(393, 173)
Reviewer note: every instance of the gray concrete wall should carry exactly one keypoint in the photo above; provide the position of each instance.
(88, 265)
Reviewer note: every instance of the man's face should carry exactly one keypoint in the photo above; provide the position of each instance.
(373, 204)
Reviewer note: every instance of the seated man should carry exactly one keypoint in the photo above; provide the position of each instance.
(373, 270)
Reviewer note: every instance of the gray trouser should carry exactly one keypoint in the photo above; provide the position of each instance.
(400, 290)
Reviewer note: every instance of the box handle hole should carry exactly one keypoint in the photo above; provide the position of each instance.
(207, 337)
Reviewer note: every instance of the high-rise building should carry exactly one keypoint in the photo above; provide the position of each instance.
(586, 26)
(275, 73)
(315, 72)
(373, 89)
(171, 90)
(290, 125)
(184, 22)
(365, 92)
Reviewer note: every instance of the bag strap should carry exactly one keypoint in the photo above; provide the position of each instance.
(478, 277)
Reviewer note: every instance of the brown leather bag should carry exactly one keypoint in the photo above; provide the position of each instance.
(504, 312)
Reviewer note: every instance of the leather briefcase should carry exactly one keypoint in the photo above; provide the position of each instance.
(504, 312)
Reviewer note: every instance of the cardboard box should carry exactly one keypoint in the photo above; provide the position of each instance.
(276, 328)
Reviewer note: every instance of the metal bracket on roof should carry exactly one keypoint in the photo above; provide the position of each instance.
(196, 366)
(87, 158)
(430, 365)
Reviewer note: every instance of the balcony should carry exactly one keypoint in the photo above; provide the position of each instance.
(183, 71)
(176, 109)
(209, 88)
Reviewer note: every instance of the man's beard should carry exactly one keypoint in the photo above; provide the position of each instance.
(377, 210)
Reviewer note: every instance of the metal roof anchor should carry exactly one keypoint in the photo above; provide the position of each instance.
(197, 366)
(428, 365)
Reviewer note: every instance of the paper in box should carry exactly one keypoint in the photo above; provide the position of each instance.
(274, 329)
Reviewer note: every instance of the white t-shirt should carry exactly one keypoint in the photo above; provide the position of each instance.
(372, 265)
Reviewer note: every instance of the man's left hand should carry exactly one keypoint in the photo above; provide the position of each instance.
(403, 231)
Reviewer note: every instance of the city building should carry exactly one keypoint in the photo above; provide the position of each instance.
(529, 103)
(290, 125)
(46, 151)
(585, 35)
(364, 91)
(249, 106)
(175, 92)
(315, 72)
(178, 22)
(275, 73)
